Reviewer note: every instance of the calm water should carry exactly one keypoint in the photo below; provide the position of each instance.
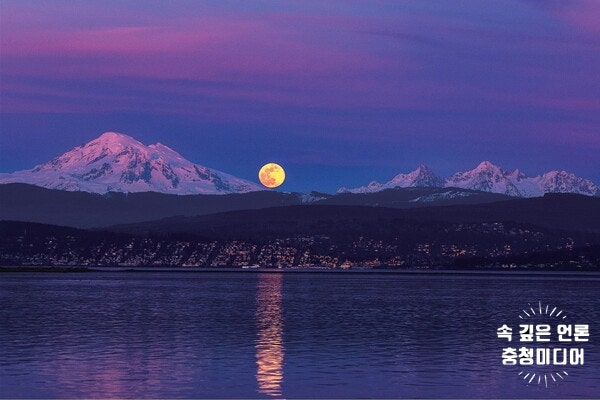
(116, 334)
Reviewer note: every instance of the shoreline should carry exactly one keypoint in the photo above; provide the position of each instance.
(446, 272)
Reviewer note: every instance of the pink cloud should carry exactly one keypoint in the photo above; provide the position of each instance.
(284, 62)
(288, 60)
(179, 35)
(271, 44)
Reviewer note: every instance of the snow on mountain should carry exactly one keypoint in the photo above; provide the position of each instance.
(488, 177)
(447, 195)
(421, 177)
(565, 182)
(119, 163)
(313, 197)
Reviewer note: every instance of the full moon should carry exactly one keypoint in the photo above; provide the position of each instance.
(271, 175)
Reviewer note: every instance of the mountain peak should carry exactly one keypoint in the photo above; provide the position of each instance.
(487, 165)
(112, 142)
(420, 177)
(423, 176)
(113, 137)
(567, 182)
(487, 177)
(118, 162)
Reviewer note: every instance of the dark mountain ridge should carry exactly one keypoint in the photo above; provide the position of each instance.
(23, 202)
(568, 212)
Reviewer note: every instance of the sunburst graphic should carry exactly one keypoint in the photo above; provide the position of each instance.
(530, 312)
(542, 311)
(532, 376)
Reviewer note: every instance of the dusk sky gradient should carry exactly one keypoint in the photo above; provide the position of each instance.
(338, 92)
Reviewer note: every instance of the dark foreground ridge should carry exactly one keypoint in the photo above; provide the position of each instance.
(567, 212)
(22, 202)
(557, 231)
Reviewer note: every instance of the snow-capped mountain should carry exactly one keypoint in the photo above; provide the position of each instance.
(421, 177)
(565, 182)
(488, 177)
(119, 163)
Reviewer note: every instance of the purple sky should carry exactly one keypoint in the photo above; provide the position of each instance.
(338, 92)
